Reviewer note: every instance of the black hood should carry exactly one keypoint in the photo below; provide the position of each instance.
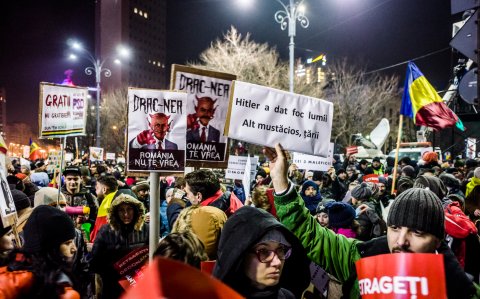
(241, 232)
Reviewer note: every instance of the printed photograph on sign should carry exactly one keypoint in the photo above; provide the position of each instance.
(156, 130)
(63, 110)
(207, 105)
(7, 205)
(96, 154)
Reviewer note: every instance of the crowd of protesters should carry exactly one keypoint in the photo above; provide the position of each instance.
(76, 236)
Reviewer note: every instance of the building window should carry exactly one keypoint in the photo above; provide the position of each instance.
(135, 10)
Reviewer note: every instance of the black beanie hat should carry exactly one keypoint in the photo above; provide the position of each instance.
(433, 183)
(340, 214)
(420, 209)
(20, 200)
(362, 192)
(47, 228)
(261, 172)
(409, 171)
(449, 180)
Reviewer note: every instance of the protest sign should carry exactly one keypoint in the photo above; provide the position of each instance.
(266, 116)
(54, 161)
(156, 130)
(236, 167)
(247, 178)
(309, 162)
(207, 105)
(373, 178)
(68, 157)
(63, 110)
(7, 205)
(402, 275)
(110, 156)
(131, 267)
(96, 154)
(471, 148)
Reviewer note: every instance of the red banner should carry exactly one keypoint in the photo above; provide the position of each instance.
(370, 178)
(402, 276)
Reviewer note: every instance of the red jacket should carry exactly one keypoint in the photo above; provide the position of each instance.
(235, 203)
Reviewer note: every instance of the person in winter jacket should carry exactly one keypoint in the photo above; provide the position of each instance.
(371, 224)
(341, 219)
(125, 232)
(311, 195)
(203, 188)
(259, 258)
(415, 224)
(340, 185)
(40, 269)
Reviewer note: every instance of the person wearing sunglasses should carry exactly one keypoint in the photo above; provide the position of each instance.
(259, 258)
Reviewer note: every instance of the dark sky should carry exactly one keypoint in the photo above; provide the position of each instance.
(374, 33)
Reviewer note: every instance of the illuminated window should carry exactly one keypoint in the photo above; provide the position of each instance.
(135, 10)
(145, 15)
(140, 13)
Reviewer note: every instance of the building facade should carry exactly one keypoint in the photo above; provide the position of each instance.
(139, 25)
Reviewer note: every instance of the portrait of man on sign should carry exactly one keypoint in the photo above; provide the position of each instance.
(198, 127)
(155, 137)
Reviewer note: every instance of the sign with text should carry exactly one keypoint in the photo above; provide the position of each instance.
(63, 110)
(266, 116)
(96, 154)
(402, 275)
(309, 162)
(7, 205)
(54, 161)
(110, 156)
(156, 130)
(207, 105)
(350, 150)
(237, 165)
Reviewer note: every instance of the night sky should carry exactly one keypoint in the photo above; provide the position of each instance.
(372, 33)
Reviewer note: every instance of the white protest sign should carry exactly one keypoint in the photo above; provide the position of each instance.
(68, 157)
(96, 154)
(26, 151)
(207, 105)
(236, 167)
(110, 156)
(54, 159)
(471, 148)
(63, 110)
(7, 205)
(309, 162)
(156, 130)
(266, 116)
(247, 178)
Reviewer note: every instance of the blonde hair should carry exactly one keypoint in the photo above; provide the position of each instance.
(260, 199)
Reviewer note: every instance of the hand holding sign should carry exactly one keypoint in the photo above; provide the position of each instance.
(278, 166)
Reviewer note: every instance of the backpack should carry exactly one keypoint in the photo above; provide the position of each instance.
(457, 224)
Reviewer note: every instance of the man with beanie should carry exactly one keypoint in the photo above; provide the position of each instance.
(376, 167)
(415, 224)
(340, 185)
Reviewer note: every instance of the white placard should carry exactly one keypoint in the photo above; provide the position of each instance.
(7, 205)
(207, 105)
(266, 116)
(26, 151)
(68, 157)
(237, 165)
(110, 156)
(156, 130)
(63, 110)
(471, 148)
(96, 154)
(247, 178)
(309, 162)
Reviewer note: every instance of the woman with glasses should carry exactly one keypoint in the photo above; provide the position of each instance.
(259, 258)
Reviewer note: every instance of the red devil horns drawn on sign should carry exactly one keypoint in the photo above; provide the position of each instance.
(160, 115)
(206, 99)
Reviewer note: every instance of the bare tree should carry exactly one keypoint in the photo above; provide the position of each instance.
(360, 100)
(113, 118)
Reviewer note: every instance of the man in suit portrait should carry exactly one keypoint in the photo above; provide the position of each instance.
(154, 138)
(199, 129)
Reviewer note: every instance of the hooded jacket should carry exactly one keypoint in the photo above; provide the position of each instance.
(241, 232)
(116, 240)
(311, 202)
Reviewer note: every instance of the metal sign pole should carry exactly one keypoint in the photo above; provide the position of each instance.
(154, 213)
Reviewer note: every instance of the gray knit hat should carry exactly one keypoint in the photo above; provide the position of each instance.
(433, 183)
(420, 209)
(362, 192)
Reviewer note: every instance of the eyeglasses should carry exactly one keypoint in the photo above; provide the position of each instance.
(266, 256)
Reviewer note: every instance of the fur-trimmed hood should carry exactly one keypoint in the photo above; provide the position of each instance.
(113, 217)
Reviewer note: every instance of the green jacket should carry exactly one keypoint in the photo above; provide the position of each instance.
(336, 254)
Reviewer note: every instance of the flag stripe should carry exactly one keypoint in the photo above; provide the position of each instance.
(436, 116)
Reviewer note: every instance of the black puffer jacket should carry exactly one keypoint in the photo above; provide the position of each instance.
(116, 240)
(240, 233)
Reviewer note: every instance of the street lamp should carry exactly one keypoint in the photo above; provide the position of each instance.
(288, 17)
(97, 68)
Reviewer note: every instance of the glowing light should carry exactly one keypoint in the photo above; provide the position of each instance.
(245, 3)
(72, 57)
(301, 8)
(123, 51)
(76, 46)
(117, 61)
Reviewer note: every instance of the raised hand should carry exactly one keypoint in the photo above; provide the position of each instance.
(278, 166)
(145, 137)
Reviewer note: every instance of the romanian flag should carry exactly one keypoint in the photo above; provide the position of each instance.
(422, 103)
(102, 215)
(34, 151)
